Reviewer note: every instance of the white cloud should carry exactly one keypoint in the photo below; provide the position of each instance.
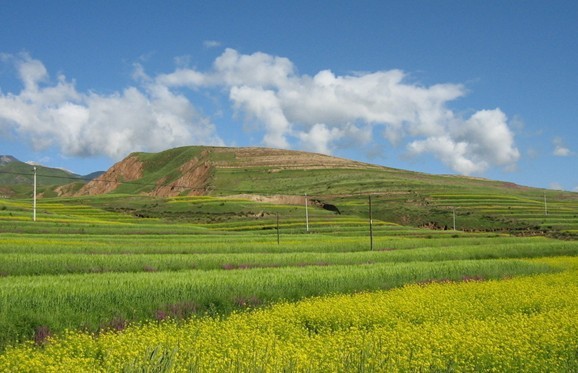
(452, 153)
(324, 112)
(319, 112)
(181, 77)
(560, 150)
(320, 138)
(471, 146)
(556, 186)
(257, 70)
(148, 117)
(264, 106)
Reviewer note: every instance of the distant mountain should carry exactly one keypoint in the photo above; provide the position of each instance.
(5, 159)
(16, 178)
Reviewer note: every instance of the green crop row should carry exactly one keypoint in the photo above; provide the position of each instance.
(93, 301)
(526, 324)
(204, 242)
(26, 263)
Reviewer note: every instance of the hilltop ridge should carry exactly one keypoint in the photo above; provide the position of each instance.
(211, 170)
(191, 170)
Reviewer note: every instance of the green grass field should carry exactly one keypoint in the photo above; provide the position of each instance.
(95, 264)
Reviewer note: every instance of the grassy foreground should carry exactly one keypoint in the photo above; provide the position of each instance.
(526, 324)
(128, 284)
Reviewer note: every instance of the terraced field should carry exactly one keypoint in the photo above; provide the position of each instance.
(128, 282)
(551, 211)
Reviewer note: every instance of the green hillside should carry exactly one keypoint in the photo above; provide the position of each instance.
(285, 177)
(247, 184)
(17, 179)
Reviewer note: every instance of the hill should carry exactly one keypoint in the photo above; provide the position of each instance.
(17, 178)
(200, 170)
(336, 184)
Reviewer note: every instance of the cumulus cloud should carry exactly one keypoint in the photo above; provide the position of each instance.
(560, 150)
(324, 112)
(320, 138)
(147, 117)
(328, 111)
(471, 146)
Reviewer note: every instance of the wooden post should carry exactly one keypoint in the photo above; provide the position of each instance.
(34, 198)
(278, 238)
(306, 213)
(370, 226)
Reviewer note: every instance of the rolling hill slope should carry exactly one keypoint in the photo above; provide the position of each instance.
(285, 177)
(16, 179)
(200, 170)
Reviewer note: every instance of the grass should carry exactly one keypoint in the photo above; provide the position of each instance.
(524, 324)
(94, 301)
(58, 260)
(101, 262)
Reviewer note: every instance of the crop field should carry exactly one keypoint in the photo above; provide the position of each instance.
(212, 284)
(519, 324)
(545, 212)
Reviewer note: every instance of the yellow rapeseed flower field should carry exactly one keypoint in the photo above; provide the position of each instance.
(526, 324)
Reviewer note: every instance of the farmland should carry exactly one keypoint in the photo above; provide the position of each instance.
(246, 277)
(82, 283)
(521, 324)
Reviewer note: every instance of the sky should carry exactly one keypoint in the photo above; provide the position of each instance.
(480, 88)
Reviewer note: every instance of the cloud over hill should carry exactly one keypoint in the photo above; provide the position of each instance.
(323, 112)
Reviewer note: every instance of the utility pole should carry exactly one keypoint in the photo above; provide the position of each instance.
(545, 205)
(278, 238)
(307, 213)
(34, 198)
(370, 226)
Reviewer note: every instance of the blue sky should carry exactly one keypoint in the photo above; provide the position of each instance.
(479, 88)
